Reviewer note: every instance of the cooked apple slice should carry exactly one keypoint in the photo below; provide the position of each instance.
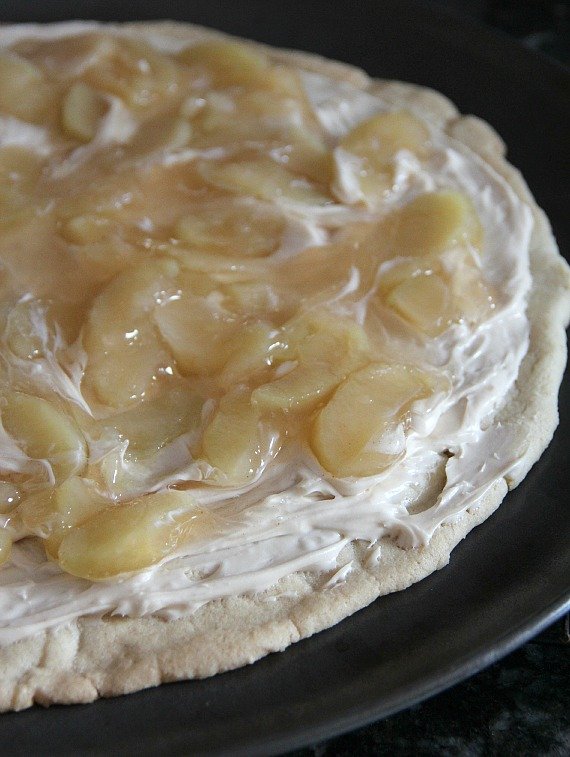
(375, 143)
(401, 270)
(9, 496)
(125, 354)
(81, 112)
(231, 229)
(434, 298)
(5, 545)
(16, 75)
(301, 389)
(233, 441)
(432, 223)
(227, 63)
(22, 333)
(155, 422)
(380, 137)
(302, 149)
(45, 433)
(151, 441)
(361, 430)
(135, 72)
(231, 64)
(125, 373)
(262, 178)
(425, 301)
(87, 228)
(132, 536)
(24, 91)
(20, 172)
(250, 353)
(50, 513)
(279, 122)
(254, 298)
(161, 133)
(318, 351)
(474, 298)
(197, 331)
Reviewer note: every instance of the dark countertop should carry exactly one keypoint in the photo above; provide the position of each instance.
(518, 706)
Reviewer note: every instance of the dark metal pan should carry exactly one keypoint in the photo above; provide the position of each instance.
(509, 578)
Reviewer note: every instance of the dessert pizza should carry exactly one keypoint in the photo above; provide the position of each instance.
(275, 338)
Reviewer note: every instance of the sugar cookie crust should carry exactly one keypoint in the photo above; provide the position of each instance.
(94, 657)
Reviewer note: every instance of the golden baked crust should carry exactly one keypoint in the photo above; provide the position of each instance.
(93, 657)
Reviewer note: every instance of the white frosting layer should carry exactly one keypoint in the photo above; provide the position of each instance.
(296, 517)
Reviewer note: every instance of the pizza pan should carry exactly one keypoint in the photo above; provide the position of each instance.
(509, 578)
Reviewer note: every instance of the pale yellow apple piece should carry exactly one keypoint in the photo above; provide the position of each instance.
(375, 143)
(286, 83)
(45, 433)
(221, 269)
(135, 72)
(254, 298)
(24, 333)
(132, 536)
(81, 112)
(396, 274)
(361, 430)
(274, 113)
(153, 423)
(141, 457)
(279, 122)
(69, 55)
(126, 373)
(306, 153)
(251, 353)
(262, 178)
(50, 513)
(380, 137)
(5, 545)
(274, 107)
(474, 298)
(16, 75)
(24, 91)
(47, 511)
(350, 273)
(287, 127)
(233, 441)
(125, 353)
(317, 350)
(231, 229)
(424, 301)
(301, 389)
(162, 133)
(197, 331)
(216, 124)
(432, 223)
(227, 63)
(9, 496)
(87, 228)
(20, 172)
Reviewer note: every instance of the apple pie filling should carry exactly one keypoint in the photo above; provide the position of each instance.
(200, 281)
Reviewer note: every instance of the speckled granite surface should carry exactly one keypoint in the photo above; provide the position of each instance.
(518, 706)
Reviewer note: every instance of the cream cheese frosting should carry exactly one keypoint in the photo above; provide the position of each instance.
(295, 516)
